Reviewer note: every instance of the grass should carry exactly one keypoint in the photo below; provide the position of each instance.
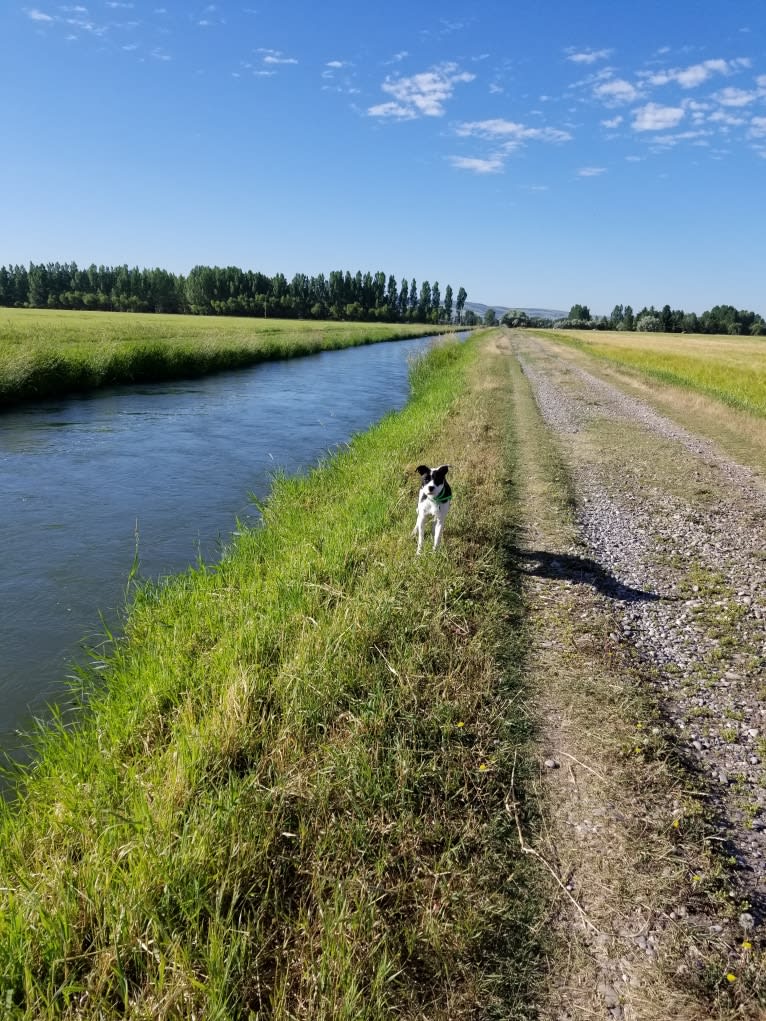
(728, 369)
(47, 354)
(284, 797)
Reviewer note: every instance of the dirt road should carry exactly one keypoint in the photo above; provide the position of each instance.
(644, 551)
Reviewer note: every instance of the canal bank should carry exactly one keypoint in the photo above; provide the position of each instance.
(164, 471)
(287, 798)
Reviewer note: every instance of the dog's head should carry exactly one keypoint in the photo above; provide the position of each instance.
(432, 479)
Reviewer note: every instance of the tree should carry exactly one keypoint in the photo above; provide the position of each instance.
(448, 303)
(648, 322)
(424, 303)
(436, 302)
(490, 317)
(404, 299)
(579, 312)
(392, 298)
(462, 294)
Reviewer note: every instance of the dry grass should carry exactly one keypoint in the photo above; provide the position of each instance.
(731, 370)
(739, 433)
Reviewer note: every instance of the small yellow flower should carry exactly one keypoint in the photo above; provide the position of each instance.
(676, 823)
(483, 767)
(460, 723)
(747, 945)
(730, 976)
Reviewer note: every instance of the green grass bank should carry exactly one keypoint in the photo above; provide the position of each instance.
(728, 369)
(285, 797)
(49, 354)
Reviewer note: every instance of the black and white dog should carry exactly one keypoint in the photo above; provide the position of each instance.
(434, 498)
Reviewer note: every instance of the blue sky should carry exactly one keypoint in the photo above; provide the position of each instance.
(537, 154)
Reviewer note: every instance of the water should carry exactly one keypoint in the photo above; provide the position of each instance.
(170, 467)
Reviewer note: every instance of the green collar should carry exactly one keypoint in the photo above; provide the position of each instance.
(443, 498)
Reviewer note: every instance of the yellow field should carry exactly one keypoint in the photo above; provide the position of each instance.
(730, 369)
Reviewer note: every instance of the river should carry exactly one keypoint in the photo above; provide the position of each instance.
(166, 470)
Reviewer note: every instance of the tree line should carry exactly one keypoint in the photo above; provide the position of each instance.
(213, 290)
(719, 319)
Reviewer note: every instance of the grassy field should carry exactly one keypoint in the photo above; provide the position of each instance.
(287, 796)
(729, 369)
(47, 354)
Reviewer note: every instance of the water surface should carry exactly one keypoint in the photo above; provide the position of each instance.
(169, 467)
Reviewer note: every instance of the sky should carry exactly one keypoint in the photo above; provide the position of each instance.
(539, 154)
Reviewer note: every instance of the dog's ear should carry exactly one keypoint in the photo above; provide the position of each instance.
(423, 469)
(441, 471)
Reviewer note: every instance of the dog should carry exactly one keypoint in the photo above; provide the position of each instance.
(434, 498)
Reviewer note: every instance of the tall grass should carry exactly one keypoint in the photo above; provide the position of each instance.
(284, 798)
(729, 369)
(47, 354)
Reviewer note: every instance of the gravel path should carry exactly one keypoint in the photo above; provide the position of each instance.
(678, 532)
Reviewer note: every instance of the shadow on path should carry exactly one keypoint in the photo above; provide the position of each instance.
(583, 570)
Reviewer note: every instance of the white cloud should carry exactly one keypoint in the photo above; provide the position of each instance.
(614, 122)
(735, 97)
(588, 56)
(515, 133)
(397, 110)
(591, 171)
(757, 128)
(492, 165)
(653, 117)
(335, 64)
(276, 58)
(36, 15)
(668, 141)
(696, 74)
(420, 95)
(727, 119)
(616, 91)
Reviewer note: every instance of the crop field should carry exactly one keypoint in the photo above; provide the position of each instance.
(45, 353)
(729, 369)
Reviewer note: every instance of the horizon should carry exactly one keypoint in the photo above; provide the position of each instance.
(618, 162)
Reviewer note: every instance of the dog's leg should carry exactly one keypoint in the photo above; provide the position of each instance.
(438, 525)
(440, 518)
(418, 530)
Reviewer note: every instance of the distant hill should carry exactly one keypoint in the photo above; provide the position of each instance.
(500, 310)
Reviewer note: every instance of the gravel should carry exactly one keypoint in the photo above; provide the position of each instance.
(686, 580)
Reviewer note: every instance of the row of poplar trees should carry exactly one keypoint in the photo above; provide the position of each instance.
(213, 290)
